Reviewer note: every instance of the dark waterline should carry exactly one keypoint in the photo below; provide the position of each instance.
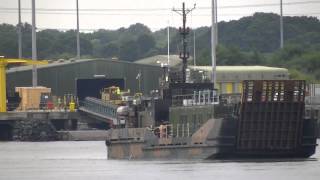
(88, 160)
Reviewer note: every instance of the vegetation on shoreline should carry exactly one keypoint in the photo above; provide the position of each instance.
(252, 40)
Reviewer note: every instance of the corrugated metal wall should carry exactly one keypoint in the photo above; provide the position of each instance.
(231, 82)
(61, 76)
(314, 89)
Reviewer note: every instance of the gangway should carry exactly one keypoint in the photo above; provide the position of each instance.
(101, 109)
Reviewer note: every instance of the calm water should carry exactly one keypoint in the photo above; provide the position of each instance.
(87, 160)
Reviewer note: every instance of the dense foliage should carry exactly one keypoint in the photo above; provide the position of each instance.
(252, 40)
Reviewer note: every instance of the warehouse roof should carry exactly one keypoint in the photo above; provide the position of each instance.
(240, 69)
(63, 63)
(174, 61)
(154, 60)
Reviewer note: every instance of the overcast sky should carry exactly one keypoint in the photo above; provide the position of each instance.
(156, 14)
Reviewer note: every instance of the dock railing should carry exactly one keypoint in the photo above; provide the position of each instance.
(182, 130)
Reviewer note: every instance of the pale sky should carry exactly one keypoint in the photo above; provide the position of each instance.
(113, 14)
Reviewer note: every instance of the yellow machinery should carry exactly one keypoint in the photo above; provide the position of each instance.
(3, 64)
(111, 94)
(72, 105)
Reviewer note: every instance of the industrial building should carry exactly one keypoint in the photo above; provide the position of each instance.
(60, 75)
(229, 78)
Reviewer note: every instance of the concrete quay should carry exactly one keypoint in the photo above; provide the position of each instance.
(36, 125)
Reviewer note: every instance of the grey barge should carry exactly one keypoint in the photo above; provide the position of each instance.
(190, 121)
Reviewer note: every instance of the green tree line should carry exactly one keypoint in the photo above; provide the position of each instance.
(252, 40)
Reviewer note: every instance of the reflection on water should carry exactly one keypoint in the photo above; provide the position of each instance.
(84, 160)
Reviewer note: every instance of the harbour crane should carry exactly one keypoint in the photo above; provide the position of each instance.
(3, 64)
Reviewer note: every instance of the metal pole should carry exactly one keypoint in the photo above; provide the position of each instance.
(194, 47)
(281, 24)
(213, 43)
(194, 42)
(78, 34)
(168, 44)
(34, 45)
(216, 19)
(19, 31)
(139, 81)
(184, 43)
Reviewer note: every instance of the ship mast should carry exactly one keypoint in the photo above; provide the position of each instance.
(184, 31)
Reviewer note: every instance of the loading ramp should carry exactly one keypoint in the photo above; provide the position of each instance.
(100, 109)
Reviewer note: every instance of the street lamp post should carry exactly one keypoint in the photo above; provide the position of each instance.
(34, 45)
(281, 24)
(78, 33)
(213, 41)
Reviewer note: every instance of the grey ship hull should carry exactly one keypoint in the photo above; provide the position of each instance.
(137, 151)
(216, 139)
(160, 153)
(140, 143)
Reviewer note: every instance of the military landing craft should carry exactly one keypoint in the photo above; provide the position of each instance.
(187, 119)
(190, 121)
